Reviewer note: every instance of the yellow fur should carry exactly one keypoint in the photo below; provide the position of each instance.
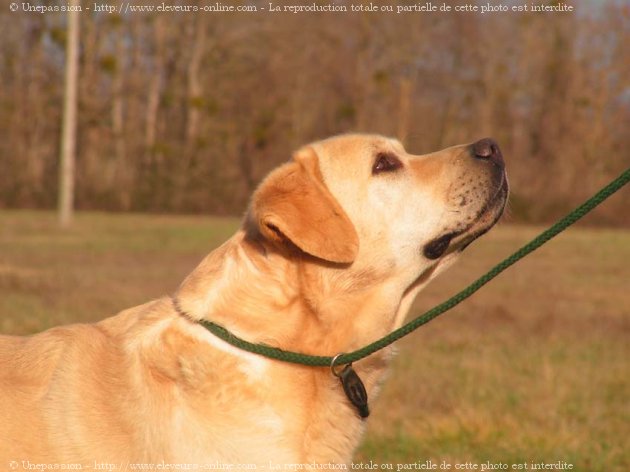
(329, 258)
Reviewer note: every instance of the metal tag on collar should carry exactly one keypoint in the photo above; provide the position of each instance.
(353, 387)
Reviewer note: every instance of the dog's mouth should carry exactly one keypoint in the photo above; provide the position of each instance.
(486, 218)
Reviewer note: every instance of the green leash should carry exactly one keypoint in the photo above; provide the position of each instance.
(348, 358)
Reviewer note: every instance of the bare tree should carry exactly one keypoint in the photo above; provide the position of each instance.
(188, 112)
(123, 174)
(194, 83)
(404, 108)
(69, 125)
(155, 85)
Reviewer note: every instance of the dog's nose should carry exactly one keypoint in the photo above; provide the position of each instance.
(488, 149)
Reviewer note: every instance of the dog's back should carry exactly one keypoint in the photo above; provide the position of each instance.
(50, 380)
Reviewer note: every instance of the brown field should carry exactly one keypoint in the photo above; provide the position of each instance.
(533, 368)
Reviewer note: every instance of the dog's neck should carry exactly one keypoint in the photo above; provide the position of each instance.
(262, 296)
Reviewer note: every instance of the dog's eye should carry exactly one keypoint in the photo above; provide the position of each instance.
(385, 162)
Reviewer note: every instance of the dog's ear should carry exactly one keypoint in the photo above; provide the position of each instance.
(294, 204)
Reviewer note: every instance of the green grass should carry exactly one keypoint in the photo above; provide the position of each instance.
(533, 368)
(104, 263)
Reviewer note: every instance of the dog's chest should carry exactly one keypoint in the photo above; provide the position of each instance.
(243, 408)
(253, 437)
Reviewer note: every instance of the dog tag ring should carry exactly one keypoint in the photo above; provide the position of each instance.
(353, 388)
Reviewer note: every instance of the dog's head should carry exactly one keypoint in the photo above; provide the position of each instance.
(364, 202)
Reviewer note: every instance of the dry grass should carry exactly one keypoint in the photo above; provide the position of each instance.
(535, 367)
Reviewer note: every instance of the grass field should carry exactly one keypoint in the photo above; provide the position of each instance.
(534, 368)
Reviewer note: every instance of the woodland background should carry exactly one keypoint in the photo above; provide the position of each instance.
(187, 112)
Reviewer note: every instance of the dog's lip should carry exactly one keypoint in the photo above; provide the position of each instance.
(495, 207)
(460, 239)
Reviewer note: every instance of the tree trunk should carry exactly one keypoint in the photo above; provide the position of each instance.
(123, 177)
(155, 87)
(194, 84)
(69, 125)
(404, 109)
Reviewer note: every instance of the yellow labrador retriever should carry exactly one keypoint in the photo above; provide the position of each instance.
(334, 247)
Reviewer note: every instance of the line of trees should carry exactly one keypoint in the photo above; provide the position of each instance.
(186, 112)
